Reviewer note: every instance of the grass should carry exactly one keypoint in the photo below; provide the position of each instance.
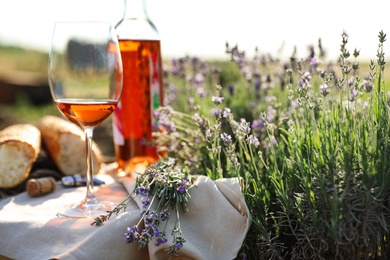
(15, 58)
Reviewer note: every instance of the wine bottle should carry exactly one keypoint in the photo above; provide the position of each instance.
(142, 91)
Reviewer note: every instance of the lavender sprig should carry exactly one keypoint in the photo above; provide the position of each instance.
(164, 188)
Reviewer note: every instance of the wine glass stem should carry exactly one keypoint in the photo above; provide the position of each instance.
(90, 196)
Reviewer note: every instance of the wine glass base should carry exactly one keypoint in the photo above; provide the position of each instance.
(78, 210)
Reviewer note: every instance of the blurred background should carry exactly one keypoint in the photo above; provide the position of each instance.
(196, 28)
(202, 27)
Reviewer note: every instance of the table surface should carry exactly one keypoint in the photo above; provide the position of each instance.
(30, 228)
(31, 223)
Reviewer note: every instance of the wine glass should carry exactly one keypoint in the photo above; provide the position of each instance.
(85, 79)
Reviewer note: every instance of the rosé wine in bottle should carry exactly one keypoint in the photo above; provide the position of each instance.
(142, 91)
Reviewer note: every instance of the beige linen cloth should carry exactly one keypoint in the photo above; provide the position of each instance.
(214, 228)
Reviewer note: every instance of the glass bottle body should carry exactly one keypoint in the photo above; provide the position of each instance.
(142, 93)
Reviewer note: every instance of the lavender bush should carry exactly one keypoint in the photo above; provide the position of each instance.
(309, 137)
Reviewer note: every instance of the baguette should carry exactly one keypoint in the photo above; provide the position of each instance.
(20, 145)
(64, 142)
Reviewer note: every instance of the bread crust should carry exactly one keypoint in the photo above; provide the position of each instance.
(65, 143)
(20, 145)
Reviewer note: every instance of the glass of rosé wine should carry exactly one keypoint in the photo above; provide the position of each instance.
(85, 79)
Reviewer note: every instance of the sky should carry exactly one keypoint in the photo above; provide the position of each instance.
(202, 27)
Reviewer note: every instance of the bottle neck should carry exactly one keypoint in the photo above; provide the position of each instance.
(135, 9)
(136, 23)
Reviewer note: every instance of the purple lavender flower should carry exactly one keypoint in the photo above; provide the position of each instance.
(201, 92)
(257, 85)
(272, 140)
(252, 140)
(145, 203)
(151, 217)
(354, 93)
(156, 233)
(314, 62)
(227, 139)
(324, 89)
(244, 125)
(132, 234)
(258, 125)
(161, 113)
(351, 81)
(217, 100)
(182, 185)
(164, 215)
(199, 79)
(304, 83)
(142, 190)
(226, 112)
(367, 85)
(306, 76)
(176, 67)
(181, 189)
(300, 83)
(216, 112)
(161, 239)
(199, 121)
(179, 245)
(209, 134)
(271, 114)
(191, 101)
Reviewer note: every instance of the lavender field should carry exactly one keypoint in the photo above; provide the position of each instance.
(308, 136)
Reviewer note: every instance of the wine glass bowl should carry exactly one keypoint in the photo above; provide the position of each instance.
(85, 79)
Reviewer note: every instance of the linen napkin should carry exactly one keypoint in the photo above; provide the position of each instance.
(215, 225)
(214, 228)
